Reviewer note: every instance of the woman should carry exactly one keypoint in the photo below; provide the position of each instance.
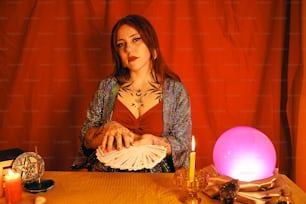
(142, 103)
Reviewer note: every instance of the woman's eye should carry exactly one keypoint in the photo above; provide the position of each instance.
(136, 39)
(119, 45)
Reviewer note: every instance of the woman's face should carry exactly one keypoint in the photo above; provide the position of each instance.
(134, 53)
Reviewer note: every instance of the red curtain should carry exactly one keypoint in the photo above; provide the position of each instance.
(240, 61)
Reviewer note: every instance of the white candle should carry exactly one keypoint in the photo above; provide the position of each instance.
(192, 160)
(13, 187)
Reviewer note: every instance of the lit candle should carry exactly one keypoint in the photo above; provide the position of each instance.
(12, 186)
(192, 160)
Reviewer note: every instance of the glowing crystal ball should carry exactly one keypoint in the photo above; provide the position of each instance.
(244, 153)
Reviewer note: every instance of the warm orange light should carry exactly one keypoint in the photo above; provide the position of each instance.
(192, 144)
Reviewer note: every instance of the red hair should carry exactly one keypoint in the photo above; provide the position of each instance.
(149, 36)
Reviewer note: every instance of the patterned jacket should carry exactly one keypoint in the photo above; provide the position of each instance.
(177, 124)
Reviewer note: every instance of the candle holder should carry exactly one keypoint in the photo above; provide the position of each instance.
(190, 188)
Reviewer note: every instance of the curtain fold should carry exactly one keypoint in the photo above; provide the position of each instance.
(286, 145)
(299, 101)
(238, 59)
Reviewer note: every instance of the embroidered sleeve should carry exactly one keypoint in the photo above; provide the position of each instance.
(177, 118)
(101, 106)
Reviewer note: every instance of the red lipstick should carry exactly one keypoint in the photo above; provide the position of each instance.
(132, 58)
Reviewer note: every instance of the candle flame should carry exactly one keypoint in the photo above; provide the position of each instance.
(192, 144)
(10, 172)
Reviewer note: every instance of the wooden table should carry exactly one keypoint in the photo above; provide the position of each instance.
(117, 188)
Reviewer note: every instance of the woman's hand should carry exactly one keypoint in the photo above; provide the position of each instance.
(111, 135)
(116, 135)
(145, 139)
(149, 139)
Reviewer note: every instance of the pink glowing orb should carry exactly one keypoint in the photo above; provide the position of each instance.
(244, 153)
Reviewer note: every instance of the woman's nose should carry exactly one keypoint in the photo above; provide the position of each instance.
(128, 48)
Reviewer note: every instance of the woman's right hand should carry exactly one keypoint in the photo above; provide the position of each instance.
(111, 135)
(116, 136)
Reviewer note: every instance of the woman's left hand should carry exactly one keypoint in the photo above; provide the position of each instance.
(145, 139)
(149, 139)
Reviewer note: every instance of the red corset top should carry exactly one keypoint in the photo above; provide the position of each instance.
(150, 122)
